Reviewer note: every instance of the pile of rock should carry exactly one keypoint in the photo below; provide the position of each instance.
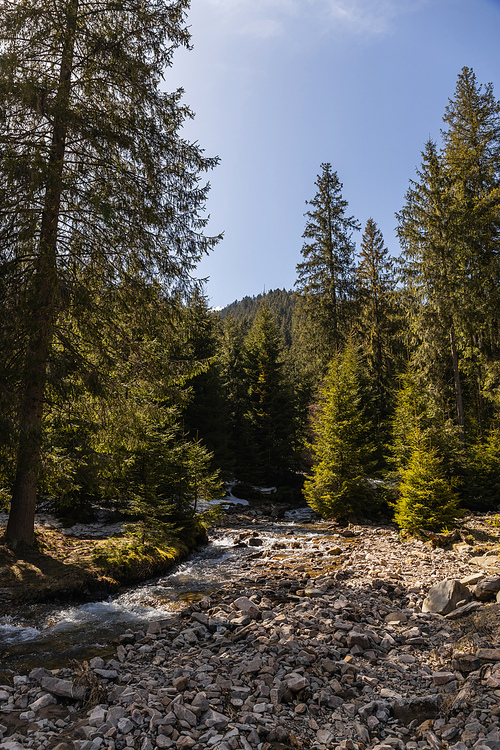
(304, 654)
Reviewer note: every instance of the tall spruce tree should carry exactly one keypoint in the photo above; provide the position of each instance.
(433, 271)
(471, 155)
(326, 275)
(231, 352)
(450, 231)
(98, 191)
(269, 415)
(206, 416)
(343, 450)
(376, 283)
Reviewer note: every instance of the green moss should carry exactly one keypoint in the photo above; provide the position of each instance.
(126, 559)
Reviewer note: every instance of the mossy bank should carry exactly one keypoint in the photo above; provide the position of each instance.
(63, 568)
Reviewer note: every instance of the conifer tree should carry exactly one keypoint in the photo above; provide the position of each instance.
(481, 490)
(206, 415)
(433, 271)
(98, 191)
(269, 415)
(326, 275)
(471, 155)
(376, 283)
(426, 497)
(231, 354)
(449, 229)
(117, 439)
(420, 417)
(342, 448)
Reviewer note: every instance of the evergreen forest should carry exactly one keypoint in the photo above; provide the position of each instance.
(372, 388)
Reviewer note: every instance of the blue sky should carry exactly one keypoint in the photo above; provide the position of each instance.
(280, 86)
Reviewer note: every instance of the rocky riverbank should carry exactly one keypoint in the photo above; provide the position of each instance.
(319, 644)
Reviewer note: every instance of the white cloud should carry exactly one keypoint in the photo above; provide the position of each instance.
(270, 18)
(368, 16)
(257, 18)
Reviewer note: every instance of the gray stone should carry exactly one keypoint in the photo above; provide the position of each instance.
(488, 654)
(200, 701)
(98, 716)
(296, 683)
(215, 719)
(185, 742)
(247, 607)
(313, 593)
(44, 700)
(190, 636)
(442, 678)
(179, 683)
(444, 596)
(63, 688)
(125, 725)
(163, 741)
(362, 732)
(473, 579)
(487, 588)
(184, 714)
(486, 561)
(114, 714)
(396, 618)
(325, 736)
(358, 639)
(417, 709)
(97, 663)
(464, 610)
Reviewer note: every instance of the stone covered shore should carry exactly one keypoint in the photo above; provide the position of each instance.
(319, 644)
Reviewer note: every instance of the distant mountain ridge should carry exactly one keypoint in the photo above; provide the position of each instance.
(281, 302)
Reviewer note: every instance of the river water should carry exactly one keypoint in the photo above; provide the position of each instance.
(50, 637)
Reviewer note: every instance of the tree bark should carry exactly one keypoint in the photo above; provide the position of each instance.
(21, 524)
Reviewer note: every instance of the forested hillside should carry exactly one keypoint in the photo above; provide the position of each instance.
(281, 303)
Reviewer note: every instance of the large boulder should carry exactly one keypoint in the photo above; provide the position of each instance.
(487, 588)
(417, 709)
(444, 597)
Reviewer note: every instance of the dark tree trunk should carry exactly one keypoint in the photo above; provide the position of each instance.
(20, 527)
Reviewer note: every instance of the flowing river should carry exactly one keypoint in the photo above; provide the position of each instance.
(50, 637)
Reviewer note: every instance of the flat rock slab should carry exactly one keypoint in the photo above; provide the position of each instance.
(486, 561)
(56, 686)
(464, 610)
(488, 654)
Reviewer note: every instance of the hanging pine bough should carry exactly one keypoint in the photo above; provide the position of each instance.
(100, 196)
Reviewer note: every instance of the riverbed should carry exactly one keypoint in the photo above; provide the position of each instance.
(52, 635)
